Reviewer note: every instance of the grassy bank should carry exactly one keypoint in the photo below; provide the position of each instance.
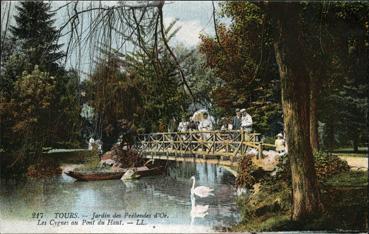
(362, 151)
(345, 200)
(356, 155)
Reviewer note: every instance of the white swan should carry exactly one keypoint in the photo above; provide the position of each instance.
(201, 191)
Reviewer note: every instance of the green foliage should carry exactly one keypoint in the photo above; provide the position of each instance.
(241, 56)
(348, 179)
(245, 179)
(27, 114)
(327, 165)
(44, 168)
(38, 37)
(114, 95)
(201, 79)
(334, 52)
(39, 99)
(345, 207)
(337, 56)
(12, 67)
(266, 208)
(145, 87)
(163, 96)
(283, 169)
(348, 126)
(66, 121)
(129, 87)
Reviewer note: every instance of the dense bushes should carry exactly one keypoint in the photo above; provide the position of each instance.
(245, 169)
(39, 98)
(269, 200)
(126, 158)
(327, 164)
(44, 168)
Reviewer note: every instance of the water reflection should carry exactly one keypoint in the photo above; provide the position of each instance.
(197, 211)
(168, 194)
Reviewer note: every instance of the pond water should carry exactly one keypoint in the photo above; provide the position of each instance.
(151, 204)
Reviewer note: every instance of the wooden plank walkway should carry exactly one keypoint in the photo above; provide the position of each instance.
(218, 147)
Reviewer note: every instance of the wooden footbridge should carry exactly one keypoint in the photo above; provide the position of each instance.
(216, 147)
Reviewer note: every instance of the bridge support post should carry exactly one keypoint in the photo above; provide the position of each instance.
(242, 140)
(260, 149)
(214, 140)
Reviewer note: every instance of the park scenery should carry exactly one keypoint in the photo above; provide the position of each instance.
(180, 116)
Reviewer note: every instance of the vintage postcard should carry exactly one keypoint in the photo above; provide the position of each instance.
(184, 116)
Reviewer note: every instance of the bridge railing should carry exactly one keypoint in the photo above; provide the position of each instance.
(228, 143)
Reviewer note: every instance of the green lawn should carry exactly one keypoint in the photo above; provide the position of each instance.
(361, 155)
(350, 150)
(348, 179)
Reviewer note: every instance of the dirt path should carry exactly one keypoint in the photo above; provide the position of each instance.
(356, 163)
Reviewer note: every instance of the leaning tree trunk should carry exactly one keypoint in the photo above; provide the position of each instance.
(295, 85)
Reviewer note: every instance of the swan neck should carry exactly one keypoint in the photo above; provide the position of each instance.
(193, 183)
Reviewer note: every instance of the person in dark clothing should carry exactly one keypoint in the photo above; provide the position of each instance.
(127, 134)
(192, 125)
(109, 136)
(236, 121)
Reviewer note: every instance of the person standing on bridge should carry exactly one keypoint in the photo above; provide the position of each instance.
(246, 121)
(192, 126)
(205, 125)
(183, 127)
(280, 144)
(223, 124)
(236, 121)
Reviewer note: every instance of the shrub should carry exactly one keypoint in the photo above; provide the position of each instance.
(44, 168)
(327, 164)
(245, 178)
(283, 169)
(273, 199)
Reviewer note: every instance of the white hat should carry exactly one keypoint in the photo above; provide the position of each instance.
(279, 135)
(243, 110)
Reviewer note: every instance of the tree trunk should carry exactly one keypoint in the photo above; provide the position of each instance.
(355, 144)
(295, 85)
(314, 93)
